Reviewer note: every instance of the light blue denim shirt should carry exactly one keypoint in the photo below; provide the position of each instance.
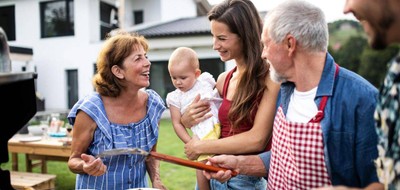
(350, 140)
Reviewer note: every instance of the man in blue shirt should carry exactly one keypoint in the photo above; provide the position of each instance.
(323, 132)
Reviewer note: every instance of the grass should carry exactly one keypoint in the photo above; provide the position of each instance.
(174, 177)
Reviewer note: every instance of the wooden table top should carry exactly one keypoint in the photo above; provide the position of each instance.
(45, 146)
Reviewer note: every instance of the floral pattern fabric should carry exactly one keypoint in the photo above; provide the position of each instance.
(387, 116)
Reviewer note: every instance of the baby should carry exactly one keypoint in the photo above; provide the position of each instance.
(183, 67)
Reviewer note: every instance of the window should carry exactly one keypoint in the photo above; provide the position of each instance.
(72, 87)
(57, 18)
(7, 21)
(108, 19)
(138, 17)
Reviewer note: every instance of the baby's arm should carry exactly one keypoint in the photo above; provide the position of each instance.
(180, 130)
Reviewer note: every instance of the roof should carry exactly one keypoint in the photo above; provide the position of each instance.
(180, 27)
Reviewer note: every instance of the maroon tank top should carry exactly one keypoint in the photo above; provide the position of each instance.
(226, 128)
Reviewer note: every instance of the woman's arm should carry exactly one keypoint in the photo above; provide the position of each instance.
(153, 168)
(250, 141)
(79, 162)
(180, 130)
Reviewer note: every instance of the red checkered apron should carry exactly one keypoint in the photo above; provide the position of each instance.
(297, 160)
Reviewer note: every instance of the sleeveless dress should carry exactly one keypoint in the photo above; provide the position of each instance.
(123, 171)
(240, 181)
(226, 128)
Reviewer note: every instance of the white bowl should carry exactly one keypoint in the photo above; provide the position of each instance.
(35, 130)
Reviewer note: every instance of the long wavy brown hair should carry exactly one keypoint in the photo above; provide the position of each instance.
(116, 48)
(242, 18)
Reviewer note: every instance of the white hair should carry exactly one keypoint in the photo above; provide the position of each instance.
(303, 20)
(277, 77)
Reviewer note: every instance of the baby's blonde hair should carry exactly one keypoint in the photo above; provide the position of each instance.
(184, 55)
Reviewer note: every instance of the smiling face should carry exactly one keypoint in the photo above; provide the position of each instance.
(377, 17)
(136, 68)
(225, 42)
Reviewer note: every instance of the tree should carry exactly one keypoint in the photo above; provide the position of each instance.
(349, 55)
(374, 64)
(351, 50)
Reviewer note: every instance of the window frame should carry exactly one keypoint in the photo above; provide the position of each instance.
(7, 21)
(108, 19)
(68, 19)
(138, 17)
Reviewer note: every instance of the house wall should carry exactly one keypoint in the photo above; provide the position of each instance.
(53, 56)
(177, 9)
(151, 11)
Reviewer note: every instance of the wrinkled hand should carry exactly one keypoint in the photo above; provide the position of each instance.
(93, 166)
(224, 161)
(190, 148)
(196, 112)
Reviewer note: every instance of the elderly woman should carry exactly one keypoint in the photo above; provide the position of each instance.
(120, 114)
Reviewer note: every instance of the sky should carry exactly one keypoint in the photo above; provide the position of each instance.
(333, 9)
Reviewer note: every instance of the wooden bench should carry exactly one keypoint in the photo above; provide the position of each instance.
(36, 181)
(32, 161)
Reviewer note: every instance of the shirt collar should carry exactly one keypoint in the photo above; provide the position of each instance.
(326, 84)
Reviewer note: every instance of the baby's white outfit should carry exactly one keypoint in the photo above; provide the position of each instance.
(210, 128)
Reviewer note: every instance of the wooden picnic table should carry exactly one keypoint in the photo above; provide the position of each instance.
(41, 150)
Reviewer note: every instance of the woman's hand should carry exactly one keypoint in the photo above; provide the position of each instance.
(93, 166)
(190, 148)
(196, 112)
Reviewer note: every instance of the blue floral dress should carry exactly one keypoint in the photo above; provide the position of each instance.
(124, 171)
(388, 128)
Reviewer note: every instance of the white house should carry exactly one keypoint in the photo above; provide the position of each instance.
(66, 36)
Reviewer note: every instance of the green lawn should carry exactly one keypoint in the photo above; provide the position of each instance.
(175, 177)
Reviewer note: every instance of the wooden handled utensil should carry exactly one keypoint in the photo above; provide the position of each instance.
(163, 157)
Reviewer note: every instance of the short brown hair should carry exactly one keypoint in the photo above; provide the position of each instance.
(116, 48)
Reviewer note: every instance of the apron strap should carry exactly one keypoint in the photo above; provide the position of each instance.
(322, 104)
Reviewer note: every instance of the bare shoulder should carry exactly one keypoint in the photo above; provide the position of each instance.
(221, 77)
(221, 81)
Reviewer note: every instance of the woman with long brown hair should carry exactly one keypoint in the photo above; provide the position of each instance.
(249, 95)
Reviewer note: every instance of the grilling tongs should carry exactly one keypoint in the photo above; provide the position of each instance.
(163, 157)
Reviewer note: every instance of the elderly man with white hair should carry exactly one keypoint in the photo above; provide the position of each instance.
(324, 132)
